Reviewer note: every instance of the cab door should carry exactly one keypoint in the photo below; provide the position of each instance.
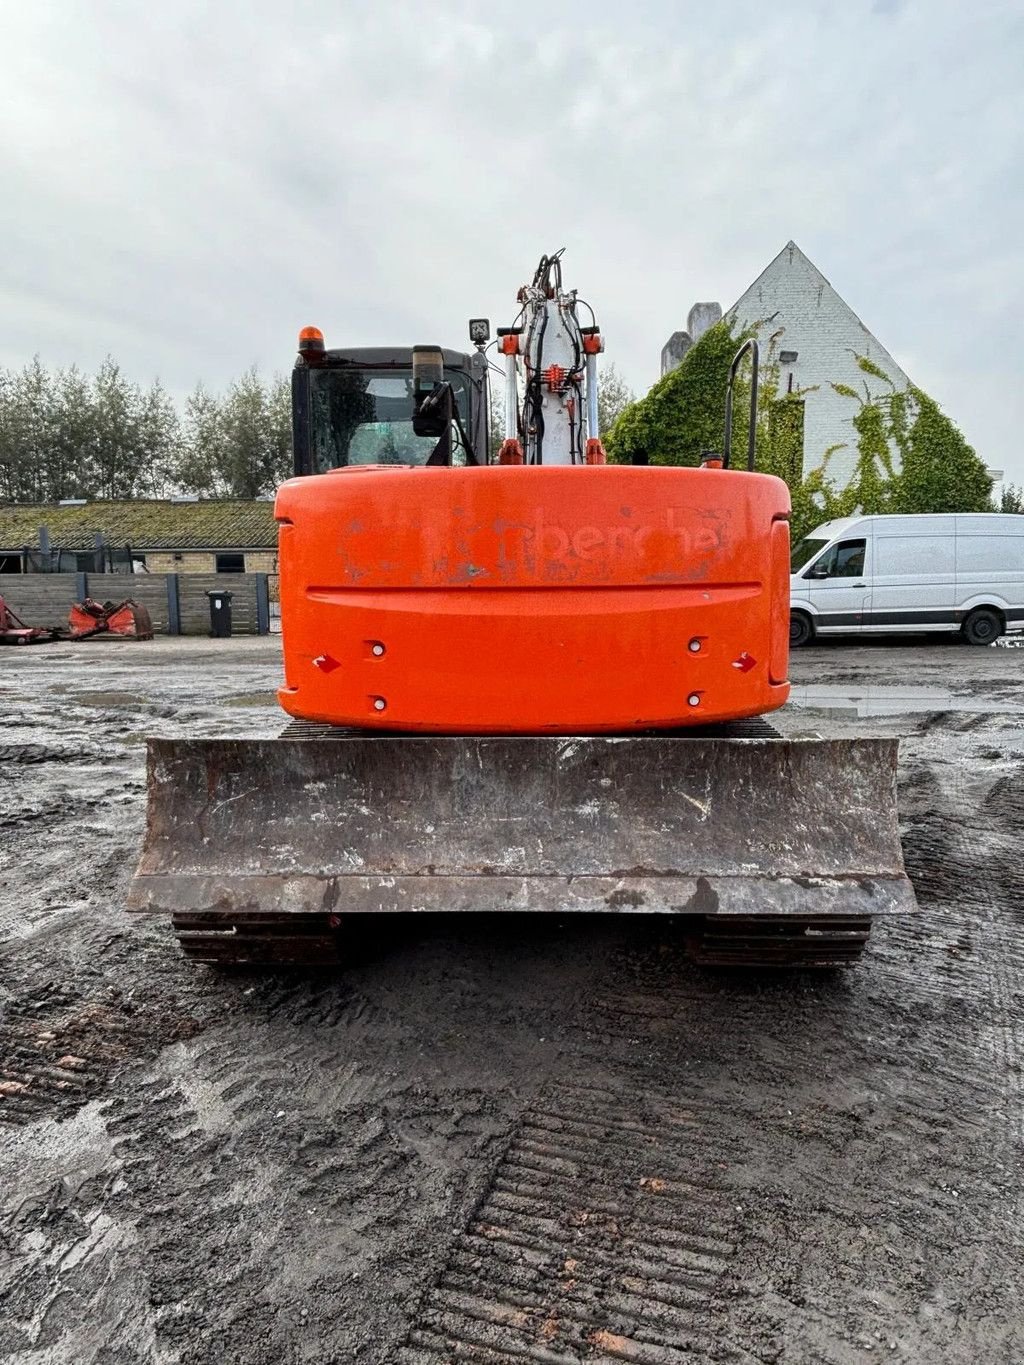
(837, 585)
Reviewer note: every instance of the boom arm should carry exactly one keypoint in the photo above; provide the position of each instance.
(552, 359)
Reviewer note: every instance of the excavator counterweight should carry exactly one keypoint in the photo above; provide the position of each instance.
(550, 600)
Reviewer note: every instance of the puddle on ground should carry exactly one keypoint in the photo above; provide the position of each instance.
(107, 698)
(841, 699)
(252, 699)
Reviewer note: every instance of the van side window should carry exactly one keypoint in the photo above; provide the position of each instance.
(844, 560)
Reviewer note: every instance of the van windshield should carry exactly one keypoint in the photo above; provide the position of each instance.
(803, 551)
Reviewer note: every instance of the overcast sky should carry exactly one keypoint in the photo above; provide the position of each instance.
(183, 186)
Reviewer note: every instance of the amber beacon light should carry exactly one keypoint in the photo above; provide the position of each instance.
(311, 339)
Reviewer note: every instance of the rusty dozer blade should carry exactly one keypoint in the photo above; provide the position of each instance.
(260, 848)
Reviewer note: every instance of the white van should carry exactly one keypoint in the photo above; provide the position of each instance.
(950, 572)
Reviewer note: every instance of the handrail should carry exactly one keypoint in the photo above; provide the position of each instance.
(749, 345)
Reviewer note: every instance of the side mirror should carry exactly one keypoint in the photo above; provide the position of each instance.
(818, 571)
(431, 415)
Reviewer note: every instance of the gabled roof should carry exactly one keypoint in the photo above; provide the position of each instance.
(817, 281)
(141, 525)
(792, 250)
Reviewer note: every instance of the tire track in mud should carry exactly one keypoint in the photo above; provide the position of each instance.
(604, 1236)
(288, 1198)
(818, 1133)
(963, 839)
(57, 1051)
(32, 753)
(69, 1269)
(70, 816)
(71, 810)
(199, 1173)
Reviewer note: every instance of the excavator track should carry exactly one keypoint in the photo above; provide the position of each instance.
(779, 941)
(317, 941)
(755, 727)
(227, 940)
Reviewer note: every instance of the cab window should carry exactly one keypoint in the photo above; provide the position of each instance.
(844, 560)
(364, 416)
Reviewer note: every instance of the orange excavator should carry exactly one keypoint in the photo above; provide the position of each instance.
(526, 683)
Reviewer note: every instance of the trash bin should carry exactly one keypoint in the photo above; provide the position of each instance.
(220, 614)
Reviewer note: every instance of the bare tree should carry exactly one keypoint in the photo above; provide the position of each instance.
(613, 396)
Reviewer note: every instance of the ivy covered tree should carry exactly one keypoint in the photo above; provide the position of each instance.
(940, 472)
(682, 415)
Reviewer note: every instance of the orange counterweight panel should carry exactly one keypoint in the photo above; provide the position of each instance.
(510, 600)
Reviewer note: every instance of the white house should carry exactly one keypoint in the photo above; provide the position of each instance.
(820, 338)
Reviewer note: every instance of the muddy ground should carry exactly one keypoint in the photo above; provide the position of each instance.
(505, 1142)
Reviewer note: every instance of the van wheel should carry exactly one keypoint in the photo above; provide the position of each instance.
(982, 626)
(801, 632)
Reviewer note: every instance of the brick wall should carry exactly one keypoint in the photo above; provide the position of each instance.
(187, 561)
(203, 561)
(261, 561)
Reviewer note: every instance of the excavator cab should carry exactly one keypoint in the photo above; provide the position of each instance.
(530, 685)
(357, 406)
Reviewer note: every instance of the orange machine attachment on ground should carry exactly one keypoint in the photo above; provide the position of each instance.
(519, 600)
(127, 619)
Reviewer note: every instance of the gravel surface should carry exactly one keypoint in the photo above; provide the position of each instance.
(505, 1142)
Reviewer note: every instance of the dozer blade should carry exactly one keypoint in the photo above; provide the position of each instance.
(783, 850)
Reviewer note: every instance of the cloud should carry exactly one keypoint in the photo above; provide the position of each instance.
(186, 186)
